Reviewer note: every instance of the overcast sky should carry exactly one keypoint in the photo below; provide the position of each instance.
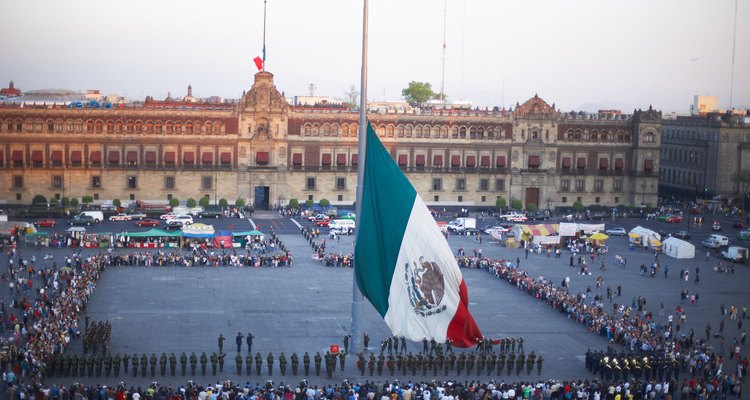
(622, 53)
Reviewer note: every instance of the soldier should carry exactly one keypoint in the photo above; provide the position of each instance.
(90, 364)
(450, 362)
(172, 363)
(513, 345)
(426, 364)
(204, 361)
(295, 363)
(470, 363)
(163, 364)
(152, 362)
(539, 365)
(481, 361)
(144, 364)
(214, 363)
(221, 342)
(390, 344)
(448, 347)
(193, 363)
(342, 360)
(282, 364)
(500, 363)
(424, 345)
(383, 345)
(107, 364)
(491, 363)
(249, 340)
(238, 340)
(318, 359)
(416, 364)
(74, 365)
(125, 359)
(306, 363)
(222, 356)
(366, 338)
(520, 344)
(530, 363)
(258, 363)
(409, 360)
(371, 364)
(66, 366)
(433, 345)
(510, 362)
(238, 363)
(403, 344)
(381, 364)
(183, 363)
(361, 364)
(269, 363)
(439, 362)
(249, 363)
(135, 364)
(519, 363)
(346, 342)
(391, 364)
(98, 363)
(460, 363)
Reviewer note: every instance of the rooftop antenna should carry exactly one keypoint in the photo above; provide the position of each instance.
(734, 46)
(264, 34)
(445, 23)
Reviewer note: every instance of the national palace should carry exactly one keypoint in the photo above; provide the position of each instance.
(266, 151)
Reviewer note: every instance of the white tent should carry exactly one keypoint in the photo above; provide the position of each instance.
(677, 248)
(645, 233)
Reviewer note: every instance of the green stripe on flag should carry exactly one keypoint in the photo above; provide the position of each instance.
(387, 201)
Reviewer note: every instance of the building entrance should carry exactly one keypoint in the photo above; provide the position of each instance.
(261, 197)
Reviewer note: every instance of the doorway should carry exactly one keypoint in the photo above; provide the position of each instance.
(261, 197)
(532, 196)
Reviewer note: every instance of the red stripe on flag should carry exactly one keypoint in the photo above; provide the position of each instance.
(258, 63)
(462, 330)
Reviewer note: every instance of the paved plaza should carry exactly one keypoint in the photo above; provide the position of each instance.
(307, 307)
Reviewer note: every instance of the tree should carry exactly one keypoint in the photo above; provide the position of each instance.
(418, 93)
(65, 202)
(239, 203)
(293, 203)
(74, 202)
(39, 199)
(191, 202)
(578, 206)
(531, 207)
(116, 202)
(223, 203)
(352, 95)
(516, 204)
(500, 202)
(309, 203)
(87, 199)
(742, 178)
(324, 203)
(53, 201)
(204, 201)
(174, 202)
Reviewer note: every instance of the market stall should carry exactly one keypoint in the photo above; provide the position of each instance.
(640, 236)
(98, 240)
(152, 238)
(241, 239)
(198, 235)
(678, 248)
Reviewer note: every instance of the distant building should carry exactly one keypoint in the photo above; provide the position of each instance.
(704, 104)
(10, 91)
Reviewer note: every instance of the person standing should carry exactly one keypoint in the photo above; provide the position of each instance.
(249, 340)
(238, 340)
(366, 340)
(220, 340)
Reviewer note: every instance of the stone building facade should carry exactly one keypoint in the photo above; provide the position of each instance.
(265, 151)
(700, 154)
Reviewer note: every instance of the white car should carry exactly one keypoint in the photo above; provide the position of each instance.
(180, 219)
(711, 244)
(514, 216)
(616, 231)
(120, 217)
(168, 215)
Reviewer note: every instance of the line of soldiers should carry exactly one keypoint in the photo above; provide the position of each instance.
(622, 366)
(489, 362)
(397, 344)
(97, 335)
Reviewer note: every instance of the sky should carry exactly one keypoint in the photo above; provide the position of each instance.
(578, 54)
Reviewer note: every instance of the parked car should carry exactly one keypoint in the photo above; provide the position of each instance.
(316, 217)
(136, 215)
(737, 224)
(682, 234)
(711, 244)
(616, 231)
(664, 217)
(82, 219)
(352, 216)
(674, 219)
(46, 223)
(211, 212)
(182, 219)
(539, 215)
(489, 228)
(168, 215)
(173, 226)
(716, 226)
(120, 217)
(743, 235)
(147, 222)
(322, 222)
(698, 219)
(513, 216)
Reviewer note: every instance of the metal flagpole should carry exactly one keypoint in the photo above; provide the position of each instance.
(357, 297)
(264, 34)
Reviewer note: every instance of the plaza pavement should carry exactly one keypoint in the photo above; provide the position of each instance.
(307, 307)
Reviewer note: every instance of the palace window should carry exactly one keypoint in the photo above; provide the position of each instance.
(437, 184)
(311, 183)
(500, 185)
(169, 182)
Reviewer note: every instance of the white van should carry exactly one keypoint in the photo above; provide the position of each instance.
(722, 240)
(98, 216)
(341, 226)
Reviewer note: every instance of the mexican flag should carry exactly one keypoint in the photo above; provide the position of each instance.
(404, 266)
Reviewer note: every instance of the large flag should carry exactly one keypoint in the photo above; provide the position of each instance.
(258, 63)
(404, 266)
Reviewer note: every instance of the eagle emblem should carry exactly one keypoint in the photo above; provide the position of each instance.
(426, 287)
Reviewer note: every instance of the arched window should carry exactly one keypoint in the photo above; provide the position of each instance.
(472, 133)
(436, 131)
(170, 127)
(138, 127)
(110, 127)
(188, 127)
(316, 130)
(345, 130)
(481, 133)
(577, 135)
(400, 131)
(389, 131)
(569, 134)
(58, 125)
(99, 127)
(178, 127)
(650, 137)
(381, 130)
(326, 130)
(594, 136)
(418, 131)
(218, 127)
(426, 132)
(335, 130)
(408, 131)
(89, 126)
(308, 130)
(39, 125)
(118, 127)
(157, 127)
(462, 133)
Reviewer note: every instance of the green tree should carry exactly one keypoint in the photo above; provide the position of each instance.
(742, 178)
(293, 203)
(324, 203)
(87, 199)
(516, 204)
(578, 206)
(191, 202)
(204, 201)
(116, 202)
(53, 201)
(500, 202)
(73, 202)
(174, 202)
(223, 203)
(309, 203)
(39, 199)
(239, 203)
(531, 207)
(65, 202)
(417, 93)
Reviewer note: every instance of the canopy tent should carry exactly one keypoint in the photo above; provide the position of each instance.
(644, 233)
(541, 233)
(223, 240)
(678, 248)
(201, 231)
(153, 233)
(248, 233)
(598, 236)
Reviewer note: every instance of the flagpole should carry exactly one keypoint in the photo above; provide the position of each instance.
(264, 34)
(358, 300)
